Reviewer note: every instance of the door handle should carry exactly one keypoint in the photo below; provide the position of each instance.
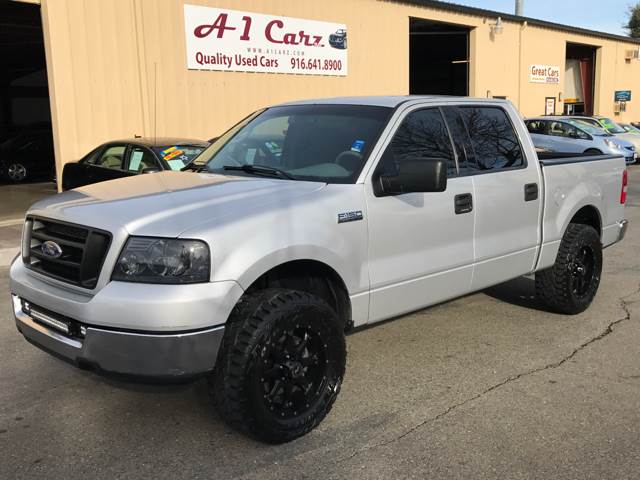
(530, 192)
(463, 203)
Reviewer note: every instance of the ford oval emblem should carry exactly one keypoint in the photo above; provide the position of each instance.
(51, 249)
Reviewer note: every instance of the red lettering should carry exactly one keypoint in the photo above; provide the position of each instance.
(270, 25)
(247, 27)
(220, 24)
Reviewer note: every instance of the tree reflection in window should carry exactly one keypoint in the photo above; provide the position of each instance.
(422, 134)
(493, 138)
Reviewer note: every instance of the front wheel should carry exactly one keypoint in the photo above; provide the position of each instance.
(570, 285)
(592, 151)
(280, 366)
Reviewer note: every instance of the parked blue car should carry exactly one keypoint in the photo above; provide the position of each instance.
(565, 135)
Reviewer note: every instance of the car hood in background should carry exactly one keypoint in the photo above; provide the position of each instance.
(167, 203)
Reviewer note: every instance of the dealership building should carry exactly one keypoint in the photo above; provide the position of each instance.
(101, 70)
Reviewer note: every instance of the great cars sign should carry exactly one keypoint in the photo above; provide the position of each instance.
(544, 74)
(231, 40)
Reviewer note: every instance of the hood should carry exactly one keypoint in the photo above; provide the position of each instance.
(632, 138)
(167, 203)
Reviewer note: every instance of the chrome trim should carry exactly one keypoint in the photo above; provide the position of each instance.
(156, 355)
(623, 225)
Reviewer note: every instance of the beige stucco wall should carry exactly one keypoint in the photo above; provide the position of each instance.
(117, 68)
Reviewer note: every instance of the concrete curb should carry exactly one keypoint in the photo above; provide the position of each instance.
(7, 255)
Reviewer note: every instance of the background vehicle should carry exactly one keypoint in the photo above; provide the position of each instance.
(630, 128)
(126, 158)
(564, 135)
(368, 208)
(27, 156)
(611, 127)
(338, 39)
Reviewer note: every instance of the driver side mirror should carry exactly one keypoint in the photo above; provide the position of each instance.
(414, 175)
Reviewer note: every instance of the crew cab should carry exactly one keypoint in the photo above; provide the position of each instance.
(301, 222)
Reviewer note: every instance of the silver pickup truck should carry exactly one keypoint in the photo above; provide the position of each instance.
(301, 222)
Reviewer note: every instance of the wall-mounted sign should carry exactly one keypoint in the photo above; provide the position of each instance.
(544, 74)
(550, 106)
(230, 40)
(622, 96)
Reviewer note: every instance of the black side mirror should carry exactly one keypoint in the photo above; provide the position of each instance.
(414, 175)
(150, 170)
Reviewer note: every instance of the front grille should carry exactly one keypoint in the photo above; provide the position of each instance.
(66, 252)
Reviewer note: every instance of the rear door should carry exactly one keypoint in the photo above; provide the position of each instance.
(506, 195)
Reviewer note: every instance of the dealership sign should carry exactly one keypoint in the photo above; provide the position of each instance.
(544, 74)
(230, 40)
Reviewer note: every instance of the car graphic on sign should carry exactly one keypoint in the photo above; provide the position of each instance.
(339, 39)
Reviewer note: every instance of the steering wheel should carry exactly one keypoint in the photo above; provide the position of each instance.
(349, 160)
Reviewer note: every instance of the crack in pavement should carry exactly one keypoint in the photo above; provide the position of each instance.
(512, 378)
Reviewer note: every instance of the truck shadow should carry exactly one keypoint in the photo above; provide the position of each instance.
(520, 291)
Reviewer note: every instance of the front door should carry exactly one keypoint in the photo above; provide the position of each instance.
(420, 244)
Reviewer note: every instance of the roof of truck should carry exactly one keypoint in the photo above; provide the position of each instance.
(389, 100)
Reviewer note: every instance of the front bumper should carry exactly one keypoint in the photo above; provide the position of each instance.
(170, 356)
(141, 330)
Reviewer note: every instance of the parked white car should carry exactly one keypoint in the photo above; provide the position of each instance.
(301, 222)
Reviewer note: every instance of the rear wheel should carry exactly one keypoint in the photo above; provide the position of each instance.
(570, 285)
(280, 366)
(16, 172)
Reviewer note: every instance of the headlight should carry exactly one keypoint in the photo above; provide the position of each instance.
(612, 144)
(163, 260)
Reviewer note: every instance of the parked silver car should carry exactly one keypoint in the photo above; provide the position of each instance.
(611, 127)
(566, 135)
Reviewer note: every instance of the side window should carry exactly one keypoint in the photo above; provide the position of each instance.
(493, 138)
(536, 126)
(141, 158)
(559, 129)
(111, 157)
(423, 134)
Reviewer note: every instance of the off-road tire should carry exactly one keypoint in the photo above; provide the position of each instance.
(252, 334)
(556, 286)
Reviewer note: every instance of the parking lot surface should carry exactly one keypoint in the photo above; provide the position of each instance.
(486, 386)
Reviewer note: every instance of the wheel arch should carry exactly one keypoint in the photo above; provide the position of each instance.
(588, 215)
(311, 276)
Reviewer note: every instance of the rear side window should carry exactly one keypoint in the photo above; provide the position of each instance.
(423, 134)
(493, 139)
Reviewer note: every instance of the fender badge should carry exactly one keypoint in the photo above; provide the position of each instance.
(350, 216)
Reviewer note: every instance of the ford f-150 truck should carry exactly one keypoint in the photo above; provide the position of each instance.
(301, 222)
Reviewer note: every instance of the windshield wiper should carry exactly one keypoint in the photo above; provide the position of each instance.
(260, 170)
(193, 167)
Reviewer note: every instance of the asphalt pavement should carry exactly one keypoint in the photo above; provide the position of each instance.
(486, 386)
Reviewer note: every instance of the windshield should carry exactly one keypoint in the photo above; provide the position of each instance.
(325, 143)
(586, 127)
(629, 128)
(611, 126)
(177, 156)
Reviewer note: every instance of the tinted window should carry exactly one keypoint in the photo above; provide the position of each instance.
(141, 158)
(493, 138)
(422, 135)
(536, 126)
(111, 157)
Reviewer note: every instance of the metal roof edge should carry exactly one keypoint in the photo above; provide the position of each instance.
(481, 12)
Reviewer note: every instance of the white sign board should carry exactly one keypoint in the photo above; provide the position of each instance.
(230, 40)
(544, 74)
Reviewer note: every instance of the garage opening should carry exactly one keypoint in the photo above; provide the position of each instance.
(26, 144)
(438, 58)
(579, 79)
